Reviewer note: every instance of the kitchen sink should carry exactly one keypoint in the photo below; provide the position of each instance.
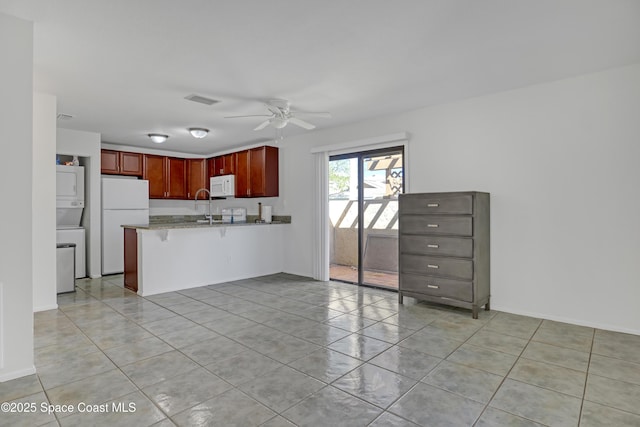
(206, 221)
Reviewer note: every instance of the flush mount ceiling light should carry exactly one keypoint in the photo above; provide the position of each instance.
(158, 138)
(198, 132)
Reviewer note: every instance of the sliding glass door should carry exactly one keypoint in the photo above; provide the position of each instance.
(363, 212)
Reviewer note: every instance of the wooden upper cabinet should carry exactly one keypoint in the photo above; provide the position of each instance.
(109, 162)
(197, 178)
(242, 174)
(257, 172)
(154, 167)
(120, 163)
(130, 163)
(222, 165)
(176, 178)
(264, 177)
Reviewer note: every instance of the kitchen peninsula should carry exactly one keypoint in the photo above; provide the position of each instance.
(173, 256)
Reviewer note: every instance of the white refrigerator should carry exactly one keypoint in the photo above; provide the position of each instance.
(124, 201)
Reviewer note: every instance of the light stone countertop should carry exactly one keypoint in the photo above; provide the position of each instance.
(191, 224)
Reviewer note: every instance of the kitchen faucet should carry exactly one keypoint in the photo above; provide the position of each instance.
(210, 217)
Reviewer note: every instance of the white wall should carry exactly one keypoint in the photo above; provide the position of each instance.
(87, 144)
(561, 163)
(16, 112)
(44, 202)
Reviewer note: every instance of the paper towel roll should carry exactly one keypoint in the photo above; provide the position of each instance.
(266, 213)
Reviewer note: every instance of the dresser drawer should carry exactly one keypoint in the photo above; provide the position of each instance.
(437, 286)
(436, 245)
(437, 204)
(434, 224)
(437, 266)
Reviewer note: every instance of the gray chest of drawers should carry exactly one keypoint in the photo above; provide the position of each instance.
(444, 248)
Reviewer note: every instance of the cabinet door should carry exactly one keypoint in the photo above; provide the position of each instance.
(211, 166)
(153, 168)
(197, 178)
(219, 165)
(130, 163)
(256, 171)
(264, 181)
(176, 178)
(131, 259)
(109, 160)
(242, 174)
(228, 164)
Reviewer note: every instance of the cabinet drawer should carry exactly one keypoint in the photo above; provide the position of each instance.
(434, 224)
(456, 204)
(436, 245)
(437, 266)
(436, 286)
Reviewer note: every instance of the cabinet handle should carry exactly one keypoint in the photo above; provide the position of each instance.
(432, 266)
(432, 225)
(433, 286)
(433, 246)
(433, 205)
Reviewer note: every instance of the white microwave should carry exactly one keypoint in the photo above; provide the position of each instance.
(223, 186)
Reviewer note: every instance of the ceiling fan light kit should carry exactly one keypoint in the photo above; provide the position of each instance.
(158, 138)
(198, 132)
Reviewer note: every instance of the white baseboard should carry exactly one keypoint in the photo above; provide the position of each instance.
(17, 374)
(578, 322)
(95, 276)
(45, 308)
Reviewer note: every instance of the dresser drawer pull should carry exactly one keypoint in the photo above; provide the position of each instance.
(433, 246)
(432, 225)
(433, 286)
(432, 266)
(433, 205)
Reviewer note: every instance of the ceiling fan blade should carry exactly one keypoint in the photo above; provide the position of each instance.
(306, 125)
(262, 125)
(321, 114)
(252, 115)
(274, 110)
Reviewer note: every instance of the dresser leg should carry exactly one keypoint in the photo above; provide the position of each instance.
(486, 306)
(400, 297)
(474, 311)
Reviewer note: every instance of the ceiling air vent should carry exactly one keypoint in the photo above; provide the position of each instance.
(201, 99)
(62, 116)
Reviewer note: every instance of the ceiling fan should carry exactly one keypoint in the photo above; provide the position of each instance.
(281, 115)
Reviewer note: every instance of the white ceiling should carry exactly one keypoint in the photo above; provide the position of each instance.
(122, 68)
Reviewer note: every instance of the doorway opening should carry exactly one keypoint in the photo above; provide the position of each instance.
(363, 212)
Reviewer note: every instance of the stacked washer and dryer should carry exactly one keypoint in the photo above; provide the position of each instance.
(69, 208)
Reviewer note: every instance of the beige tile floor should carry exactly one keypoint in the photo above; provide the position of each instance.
(284, 350)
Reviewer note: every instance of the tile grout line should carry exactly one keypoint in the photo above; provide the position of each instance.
(506, 376)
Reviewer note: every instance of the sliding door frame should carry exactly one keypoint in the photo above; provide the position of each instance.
(360, 156)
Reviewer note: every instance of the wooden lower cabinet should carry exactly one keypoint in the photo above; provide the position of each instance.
(131, 259)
